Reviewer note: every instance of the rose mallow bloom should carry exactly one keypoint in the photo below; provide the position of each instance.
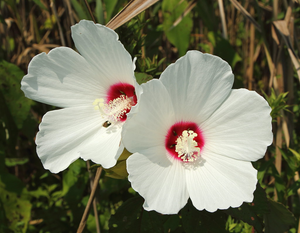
(194, 137)
(95, 91)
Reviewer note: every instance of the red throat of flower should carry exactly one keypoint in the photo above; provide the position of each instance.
(184, 141)
(120, 98)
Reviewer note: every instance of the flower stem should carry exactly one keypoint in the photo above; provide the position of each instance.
(95, 199)
(88, 206)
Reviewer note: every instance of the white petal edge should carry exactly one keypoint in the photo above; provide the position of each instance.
(221, 182)
(104, 147)
(101, 47)
(62, 78)
(241, 128)
(146, 128)
(162, 187)
(198, 83)
(63, 134)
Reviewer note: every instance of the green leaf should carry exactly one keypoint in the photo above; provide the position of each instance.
(17, 206)
(119, 170)
(109, 8)
(80, 10)
(178, 35)
(260, 203)
(3, 220)
(99, 12)
(263, 169)
(277, 103)
(11, 162)
(194, 220)
(172, 223)
(132, 218)
(292, 190)
(15, 101)
(40, 4)
(152, 221)
(204, 9)
(246, 214)
(223, 49)
(279, 219)
(75, 179)
(142, 77)
(126, 217)
(295, 153)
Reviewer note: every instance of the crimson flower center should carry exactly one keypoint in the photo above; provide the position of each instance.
(118, 102)
(184, 141)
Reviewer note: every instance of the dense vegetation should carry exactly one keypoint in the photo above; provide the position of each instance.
(260, 41)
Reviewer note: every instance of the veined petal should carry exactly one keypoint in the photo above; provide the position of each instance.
(62, 78)
(64, 134)
(240, 128)
(100, 46)
(221, 182)
(104, 147)
(163, 187)
(145, 131)
(198, 84)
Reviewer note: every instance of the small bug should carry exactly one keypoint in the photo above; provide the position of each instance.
(106, 124)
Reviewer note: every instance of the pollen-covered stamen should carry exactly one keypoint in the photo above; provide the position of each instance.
(184, 141)
(186, 147)
(115, 109)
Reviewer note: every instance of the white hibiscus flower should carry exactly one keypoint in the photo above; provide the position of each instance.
(95, 91)
(194, 137)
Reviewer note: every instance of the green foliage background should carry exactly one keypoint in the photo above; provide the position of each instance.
(34, 200)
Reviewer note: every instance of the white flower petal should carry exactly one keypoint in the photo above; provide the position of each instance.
(198, 83)
(221, 182)
(162, 186)
(240, 128)
(100, 46)
(104, 147)
(62, 78)
(145, 131)
(64, 133)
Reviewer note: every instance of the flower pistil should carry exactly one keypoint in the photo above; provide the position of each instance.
(186, 147)
(115, 109)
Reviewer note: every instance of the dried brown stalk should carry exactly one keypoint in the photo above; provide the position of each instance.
(88, 206)
(133, 8)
